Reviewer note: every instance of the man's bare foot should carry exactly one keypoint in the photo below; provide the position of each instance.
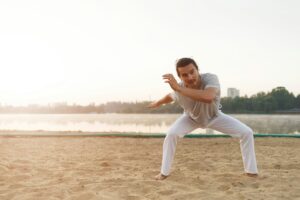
(160, 177)
(251, 175)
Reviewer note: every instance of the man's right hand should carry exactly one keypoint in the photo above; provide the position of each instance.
(154, 104)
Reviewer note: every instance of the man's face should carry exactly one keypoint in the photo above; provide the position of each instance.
(189, 75)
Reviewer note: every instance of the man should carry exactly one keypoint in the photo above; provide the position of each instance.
(199, 96)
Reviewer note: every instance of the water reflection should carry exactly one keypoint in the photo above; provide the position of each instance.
(272, 123)
(137, 123)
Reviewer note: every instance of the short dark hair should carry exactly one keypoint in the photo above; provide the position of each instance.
(182, 62)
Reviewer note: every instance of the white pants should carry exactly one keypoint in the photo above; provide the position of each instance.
(222, 123)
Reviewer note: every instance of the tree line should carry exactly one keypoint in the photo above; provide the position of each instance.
(278, 100)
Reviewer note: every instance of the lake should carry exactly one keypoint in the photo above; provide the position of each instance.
(136, 123)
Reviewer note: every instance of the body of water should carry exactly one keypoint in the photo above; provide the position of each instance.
(136, 123)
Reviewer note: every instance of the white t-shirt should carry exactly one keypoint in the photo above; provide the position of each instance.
(199, 111)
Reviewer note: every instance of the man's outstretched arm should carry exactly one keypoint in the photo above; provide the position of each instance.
(165, 100)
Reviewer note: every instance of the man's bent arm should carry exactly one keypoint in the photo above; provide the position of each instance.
(206, 95)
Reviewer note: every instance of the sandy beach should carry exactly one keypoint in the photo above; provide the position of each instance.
(83, 168)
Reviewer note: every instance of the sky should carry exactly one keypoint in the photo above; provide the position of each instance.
(98, 51)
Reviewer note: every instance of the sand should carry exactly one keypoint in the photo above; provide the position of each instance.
(115, 168)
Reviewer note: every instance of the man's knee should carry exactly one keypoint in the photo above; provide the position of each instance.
(248, 133)
(172, 134)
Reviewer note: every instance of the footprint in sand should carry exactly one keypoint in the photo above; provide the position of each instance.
(269, 185)
(167, 192)
(277, 166)
(238, 184)
(224, 187)
(255, 185)
(105, 164)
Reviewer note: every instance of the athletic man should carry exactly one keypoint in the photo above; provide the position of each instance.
(199, 96)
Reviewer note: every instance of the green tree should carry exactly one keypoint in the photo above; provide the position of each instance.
(284, 99)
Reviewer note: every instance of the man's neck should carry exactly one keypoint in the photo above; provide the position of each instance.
(199, 83)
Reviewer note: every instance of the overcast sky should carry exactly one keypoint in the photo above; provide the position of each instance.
(99, 51)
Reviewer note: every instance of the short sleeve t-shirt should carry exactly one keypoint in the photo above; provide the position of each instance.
(199, 111)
